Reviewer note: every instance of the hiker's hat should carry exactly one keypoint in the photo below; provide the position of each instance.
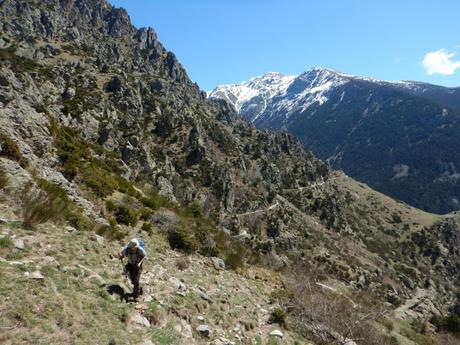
(134, 243)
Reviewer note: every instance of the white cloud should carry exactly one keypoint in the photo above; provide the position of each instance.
(440, 62)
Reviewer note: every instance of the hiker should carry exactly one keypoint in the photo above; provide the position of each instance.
(136, 255)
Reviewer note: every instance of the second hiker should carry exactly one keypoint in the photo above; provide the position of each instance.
(136, 255)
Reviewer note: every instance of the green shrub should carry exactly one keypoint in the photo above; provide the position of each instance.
(3, 179)
(449, 323)
(147, 227)
(155, 201)
(9, 149)
(278, 315)
(183, 240)
(100, 181)
(79, 221)
(71, 149)
(6, 242)
(110, 205)
(145, 213)
(396, 218)
(235, 257)
(112, 232)
(194, 210)
(126, 215)
(42, 205)
(387, 323)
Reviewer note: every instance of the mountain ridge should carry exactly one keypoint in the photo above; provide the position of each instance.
(314, 102)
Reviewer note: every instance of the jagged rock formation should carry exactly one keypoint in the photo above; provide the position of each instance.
(398, 137)
(98, 112)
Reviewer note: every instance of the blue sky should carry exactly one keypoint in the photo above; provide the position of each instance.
(229, 41)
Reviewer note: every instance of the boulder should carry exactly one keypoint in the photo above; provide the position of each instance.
(35, 275)
(218, 263)
(204, 330)
(276, 333)
(137, 321)
(178, 284)
(18, 243)
(203, 295)
(166, 189)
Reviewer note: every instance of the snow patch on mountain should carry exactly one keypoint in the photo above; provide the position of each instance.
(258, 90)
(275, 94)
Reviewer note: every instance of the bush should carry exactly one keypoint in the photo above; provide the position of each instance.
(235, 257)
(147, 227)
(182, 262)
(278, 316)
(3, 179)
(396, 218)
(6, 242)
(155, 201)
(323, 312)
(183, 240)
(100, 181)
(9, 149)
(79, 221)
(110, 205)
(42, 205)
(112, 232)
(146, 214)
(449, 323)
(126, 215)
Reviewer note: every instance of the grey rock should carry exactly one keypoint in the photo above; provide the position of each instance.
(276, 333)
(203, 295)
(36, 275)
(204, 330)
(166, 189)
(18, 243)
(99, 239)
(218, 263)
(137, 321)
(178, 284)
(70, 229)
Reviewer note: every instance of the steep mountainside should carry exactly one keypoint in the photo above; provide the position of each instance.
(401, 138)
(102, 133)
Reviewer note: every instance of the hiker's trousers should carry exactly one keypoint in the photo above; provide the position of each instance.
(135, 276)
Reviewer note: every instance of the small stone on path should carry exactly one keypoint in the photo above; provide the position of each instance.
(276, 333)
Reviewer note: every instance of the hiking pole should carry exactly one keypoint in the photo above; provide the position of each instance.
(140, 262)
(139, 265)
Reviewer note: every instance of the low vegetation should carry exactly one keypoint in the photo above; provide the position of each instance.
(42, 205)
(9, 149)
(3, 179)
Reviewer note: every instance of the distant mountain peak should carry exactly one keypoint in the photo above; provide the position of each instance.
(333, 114)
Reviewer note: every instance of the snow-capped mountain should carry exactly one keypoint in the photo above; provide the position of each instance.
(400, 137)
(252, 97)
(259, 97)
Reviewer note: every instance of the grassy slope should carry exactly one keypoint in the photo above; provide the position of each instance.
(70, 305)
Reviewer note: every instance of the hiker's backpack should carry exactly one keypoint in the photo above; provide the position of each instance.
(141, 244)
